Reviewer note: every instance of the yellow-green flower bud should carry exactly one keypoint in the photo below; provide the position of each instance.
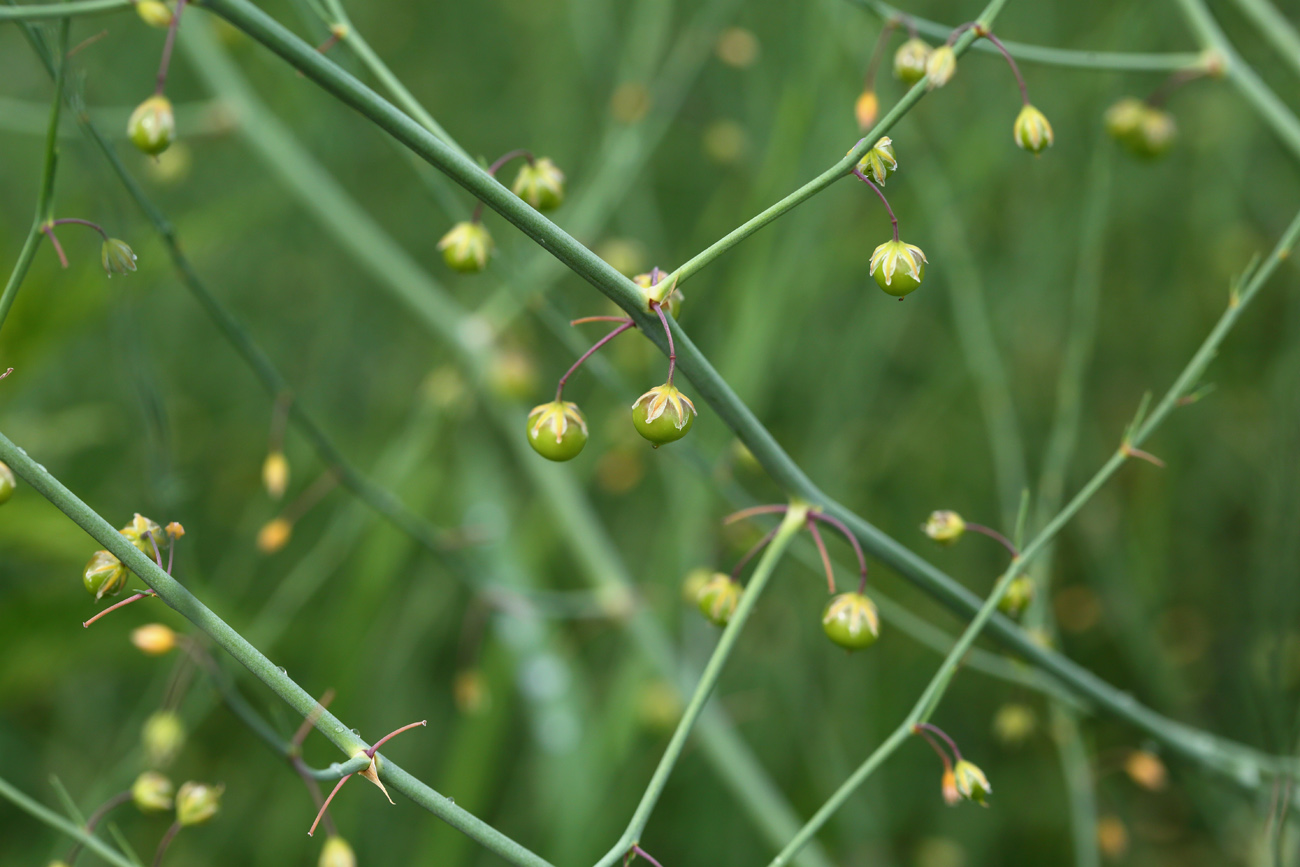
(337, 853)
(940, 67)
(851, 621)
(910, 59)
(145, 534)
(866, 109)
(163, 736)
(117, 257)
(466, 247)
(1124, 117)
(693, 583)
(154, 13)
(898, 267)
(879, 162)
(971, 782)
(718, 598)
(944, 526)
(7, 482)
(652, 279)
(557, 430)
(152, 127)
(1156, 134)
(153, 639)
(275, 474)
(540, 184)
(196, 803)
(1032, 131)
(274, 535)
(104, 575)
(1017, 598)
(152, 792)
(663, 414)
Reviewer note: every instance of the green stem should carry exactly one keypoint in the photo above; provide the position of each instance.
(45, 11)
(62, 825)
(790, 525)
(715, 391)
(45, 197)
(1272, 110)
(1121, 61)
(843, 168)
(1275, 28)
(188, 606)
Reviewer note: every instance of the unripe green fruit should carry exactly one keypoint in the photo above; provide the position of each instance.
(663, 415)
(466, 247)
(557, 431)
(898, 267)
(1017, 598)
(154, 13)
(1032, 131)
(718, 598)
(152, 127)
(7, 482)
(139, 532)
(909, 60)
(879, 162)
(851, 621)
(540, 184)
(104, 575)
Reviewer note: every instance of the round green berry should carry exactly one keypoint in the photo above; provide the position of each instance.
(557, 431)
(663, 415)
(898, 267)
(104, 575)
(718, 598)
(850, 620)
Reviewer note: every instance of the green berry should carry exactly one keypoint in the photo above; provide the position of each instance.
(898, 267)
(466, 247)
(104, 575)
(909, 60)
(850, 620)
(152, 126)
(1017, 598)
(7, 482)
(663, 414)
(540, 184)
(556, 430)
(718, 598)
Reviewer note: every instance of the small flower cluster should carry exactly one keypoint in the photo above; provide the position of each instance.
(558, 431)
(467, 245)
(850, 620)
(962, 780)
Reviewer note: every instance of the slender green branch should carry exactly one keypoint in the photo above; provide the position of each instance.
(790, 526)
(1272, 110)
(47, 11)
(1275, 28)
(45, 196)
(188, 606)
(715, 391)
(63, 826)
(1119, 61)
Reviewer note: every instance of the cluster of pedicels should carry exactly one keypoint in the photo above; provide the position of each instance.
(467, 245)
(558, 431)
(850, 620)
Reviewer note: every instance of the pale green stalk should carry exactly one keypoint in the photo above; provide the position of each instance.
(791, 524)
(1275, 28)
(47, 11)
(63, 826)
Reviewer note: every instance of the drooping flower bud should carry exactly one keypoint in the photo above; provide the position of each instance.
(163, 736)
(154, 13)
(274, 535)
(940, 67)
(117, 257)
(971, 782)
(7, 482)
(1017, 598)
(152, 792)
(1145, 768)
(718, 598)
(144, 534)
(540, 184)
(910, 59)
(1032, 131)
(879, 162)
(1124, 117)
(898, 267)
(152, 127)
(948, 784)
(663, 414)
(337, 853)
(866, 109)
(944, 526)
(851, 621)
(1157, 134)
(174, 529)
(196, 803)
(104, 575)
(466, 247)
(275, 474)
(557, 430)
(153, 639)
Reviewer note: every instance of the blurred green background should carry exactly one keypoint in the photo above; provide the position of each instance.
(1178, 585)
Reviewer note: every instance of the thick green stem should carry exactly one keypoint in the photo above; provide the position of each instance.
(188, 606)
(790, 526)
(48, 11)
